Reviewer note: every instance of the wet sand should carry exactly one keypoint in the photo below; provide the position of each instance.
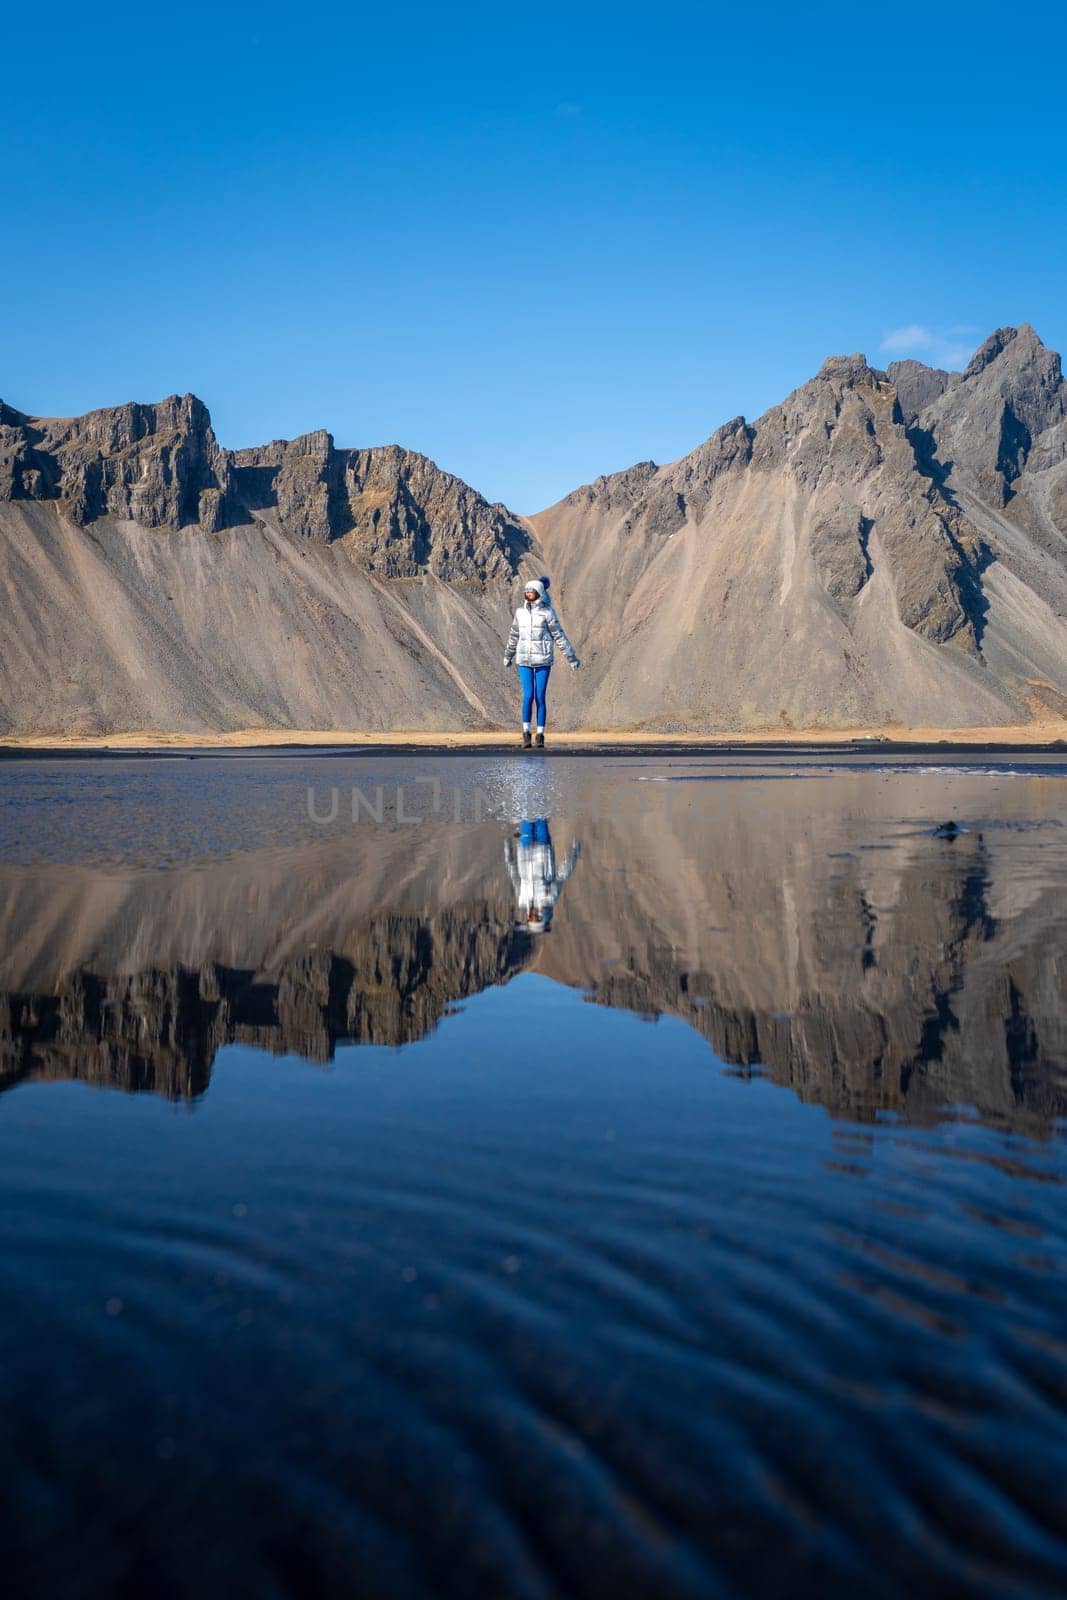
(1031, 736)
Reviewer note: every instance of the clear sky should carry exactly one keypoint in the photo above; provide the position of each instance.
(537, 242)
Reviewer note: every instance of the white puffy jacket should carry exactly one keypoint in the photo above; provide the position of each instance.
(535, 630)
(537, 883)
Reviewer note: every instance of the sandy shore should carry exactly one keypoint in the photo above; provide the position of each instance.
(1030, 734)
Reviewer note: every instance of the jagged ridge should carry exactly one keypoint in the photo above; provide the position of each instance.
(880, 547)
(161, 466)
(864, 512)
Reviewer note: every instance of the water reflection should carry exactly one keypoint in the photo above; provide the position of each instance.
(547, 1302)
(535, 876)
(855, 957)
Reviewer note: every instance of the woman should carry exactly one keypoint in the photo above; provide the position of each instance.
(534, 632)
(533, 872)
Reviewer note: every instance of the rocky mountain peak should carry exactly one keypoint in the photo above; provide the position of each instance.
(989, 350)
(160, 466)
(917, 385)
(614, 490)
(405, 515)
(849, 372)
(157, 465)
(1021, 344)
(984, 429)
(846, 412)
(394, 509)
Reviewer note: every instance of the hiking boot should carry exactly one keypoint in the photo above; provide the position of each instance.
(526, 740)
(540, 741)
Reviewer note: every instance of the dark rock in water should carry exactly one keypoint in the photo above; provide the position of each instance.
(947, 830)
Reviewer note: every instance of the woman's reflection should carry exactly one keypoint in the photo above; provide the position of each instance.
(533, 872)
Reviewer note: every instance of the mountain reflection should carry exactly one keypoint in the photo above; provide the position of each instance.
(901, 977)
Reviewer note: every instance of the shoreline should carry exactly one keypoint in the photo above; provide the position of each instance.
(1037, 737)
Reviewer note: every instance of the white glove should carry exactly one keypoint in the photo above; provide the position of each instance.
(575, 664)
(507, 661)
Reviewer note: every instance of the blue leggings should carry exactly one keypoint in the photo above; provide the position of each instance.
(534, 682)
(534, 832)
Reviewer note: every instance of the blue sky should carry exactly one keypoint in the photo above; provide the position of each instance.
(535, 242)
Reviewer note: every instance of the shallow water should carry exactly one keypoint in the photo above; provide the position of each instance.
(701, 1234)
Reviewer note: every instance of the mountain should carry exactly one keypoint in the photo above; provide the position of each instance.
(882, 547)
(157, 581)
